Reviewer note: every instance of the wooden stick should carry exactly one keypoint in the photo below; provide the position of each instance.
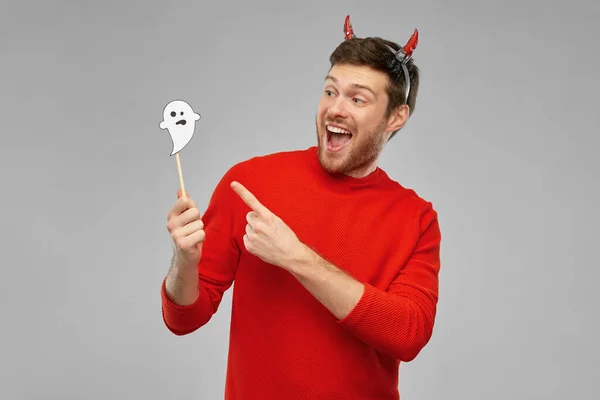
(180, 175)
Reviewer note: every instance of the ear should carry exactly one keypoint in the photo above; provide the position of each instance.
(398, 118)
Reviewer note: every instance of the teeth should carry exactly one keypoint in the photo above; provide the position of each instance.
(338, 130)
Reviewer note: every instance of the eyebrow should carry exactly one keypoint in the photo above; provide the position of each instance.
(354, 85)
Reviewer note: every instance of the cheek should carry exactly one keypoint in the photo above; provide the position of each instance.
(321, 112)
(322, 106)
(361, 122)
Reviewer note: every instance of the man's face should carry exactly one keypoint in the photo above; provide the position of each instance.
(351, 124)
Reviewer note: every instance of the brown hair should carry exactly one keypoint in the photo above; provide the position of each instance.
(373, 52)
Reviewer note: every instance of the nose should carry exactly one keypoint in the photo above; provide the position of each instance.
(338, 108)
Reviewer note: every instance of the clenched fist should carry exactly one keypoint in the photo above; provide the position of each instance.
(187, 231)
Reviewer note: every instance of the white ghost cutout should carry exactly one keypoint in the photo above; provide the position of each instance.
(180, 120)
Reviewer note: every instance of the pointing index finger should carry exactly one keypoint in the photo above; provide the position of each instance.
(249, 198)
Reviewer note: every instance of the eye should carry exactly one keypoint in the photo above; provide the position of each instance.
(328, 93)
(182, 113)
(357, 100)
(173, 113)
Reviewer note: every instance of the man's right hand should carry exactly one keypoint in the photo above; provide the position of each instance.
(187, 231)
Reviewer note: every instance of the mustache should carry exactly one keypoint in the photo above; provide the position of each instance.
(333, 121)
(338, 124)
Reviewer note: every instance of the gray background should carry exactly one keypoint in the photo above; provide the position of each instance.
(503, 142)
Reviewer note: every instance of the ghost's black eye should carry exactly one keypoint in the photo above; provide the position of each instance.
(182, 113)
(173, 113)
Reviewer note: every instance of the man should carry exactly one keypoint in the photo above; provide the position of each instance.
(335, 264)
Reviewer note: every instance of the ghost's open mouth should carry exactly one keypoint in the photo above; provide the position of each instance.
(180, 122)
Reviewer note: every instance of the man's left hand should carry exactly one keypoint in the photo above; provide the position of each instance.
(267, 236)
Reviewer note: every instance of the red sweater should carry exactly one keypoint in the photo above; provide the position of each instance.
(284, 344)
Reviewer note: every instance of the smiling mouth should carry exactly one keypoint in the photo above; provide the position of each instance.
(180, 122)
(337, 137)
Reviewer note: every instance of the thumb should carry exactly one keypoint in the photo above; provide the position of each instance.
(190, 201)
(179, 193)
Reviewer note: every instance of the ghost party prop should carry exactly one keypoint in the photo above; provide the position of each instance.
(180, 120)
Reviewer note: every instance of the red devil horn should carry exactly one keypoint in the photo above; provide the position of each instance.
(411, 45)
(348, 31)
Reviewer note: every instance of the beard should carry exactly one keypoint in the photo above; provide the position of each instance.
(360, 153)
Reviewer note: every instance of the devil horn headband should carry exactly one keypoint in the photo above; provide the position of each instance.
(348, 31)
(403, 55)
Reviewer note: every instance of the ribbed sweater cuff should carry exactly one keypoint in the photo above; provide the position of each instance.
(362, 308)
(179, 318)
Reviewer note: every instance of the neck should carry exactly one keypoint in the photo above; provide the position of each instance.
(363, 170)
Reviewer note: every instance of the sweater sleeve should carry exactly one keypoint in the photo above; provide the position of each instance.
(217, 266)
(399, 322)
